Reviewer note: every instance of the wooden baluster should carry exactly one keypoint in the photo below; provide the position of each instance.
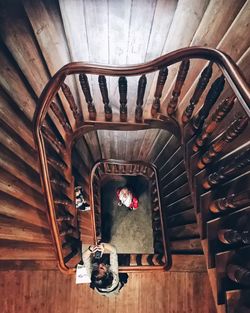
(61, 166)
(106, 168)
(116, 169)
(86, 90)
(137, 168)
(231, 202)
(238, 274)
(67, 231)
(131, 169)
(232, 132)
(66, 202)
(211, 98)
(140, 96)
(123, 87)
(181, 76)
(240, 161)
(150, 259)
(51, 138)
(61, 117)
(64, 218)
(74, 108)
(105, 97)
(216, 118)
(60, 183)
(158, 91)
(202, 84)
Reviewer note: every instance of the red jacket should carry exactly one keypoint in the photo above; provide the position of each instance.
(134, 203)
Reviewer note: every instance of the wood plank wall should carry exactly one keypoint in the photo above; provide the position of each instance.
(51, 291)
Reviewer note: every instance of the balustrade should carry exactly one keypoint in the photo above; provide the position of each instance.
(181, 76)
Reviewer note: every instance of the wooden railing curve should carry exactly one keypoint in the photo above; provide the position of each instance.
(227, 66)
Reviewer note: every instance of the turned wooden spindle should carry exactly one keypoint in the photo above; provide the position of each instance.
(105, 97)
(64, 218)
(86, 91)
(232, 132)
(140, 96)
(240, 161)
(67, 231)
(61, 117)
(200, 87)
(222, 110)
(51, 138)
(59, 165)
(181, 76)
(74, 108)
(123, 88)
(212, 96)
(66, 202)
(239, 274)
(158, 91)
(60, 183)
(233, 201)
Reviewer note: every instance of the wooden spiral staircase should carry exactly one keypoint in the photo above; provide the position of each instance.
(201, 180)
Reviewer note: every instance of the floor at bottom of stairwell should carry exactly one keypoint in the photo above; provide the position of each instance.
(129, 231)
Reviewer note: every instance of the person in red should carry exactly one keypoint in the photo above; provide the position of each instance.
(126, 198)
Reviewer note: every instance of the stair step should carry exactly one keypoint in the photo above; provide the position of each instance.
(186, 246)
(187, 231)
(182, 218)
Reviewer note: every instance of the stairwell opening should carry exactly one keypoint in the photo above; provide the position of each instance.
(157, 147)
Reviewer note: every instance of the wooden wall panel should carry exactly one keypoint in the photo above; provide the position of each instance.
(209, 33)
(183, 27)
(49, 291)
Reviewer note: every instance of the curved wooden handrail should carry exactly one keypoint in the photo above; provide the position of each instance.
(168, 257)
(227, 66)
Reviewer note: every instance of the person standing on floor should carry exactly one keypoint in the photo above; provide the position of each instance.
(127, 198)
(105, 279)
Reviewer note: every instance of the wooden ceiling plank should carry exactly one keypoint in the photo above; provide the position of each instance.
(19, 169)
(96, 20)
(119, 14)
(180, 35)
(236, 34)
(84, 152)
(163, 17)
(19, 39)
(93, 143)
(147, 143)
(76, 34)
(16, 188)
(49, 32)
(19, 210)
(105, 143)
(135, 143)
(142, 15)
(217, 18)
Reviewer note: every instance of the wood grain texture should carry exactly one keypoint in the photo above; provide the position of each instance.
(50, 291)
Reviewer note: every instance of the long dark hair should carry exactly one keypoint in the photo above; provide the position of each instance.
(100, 282)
